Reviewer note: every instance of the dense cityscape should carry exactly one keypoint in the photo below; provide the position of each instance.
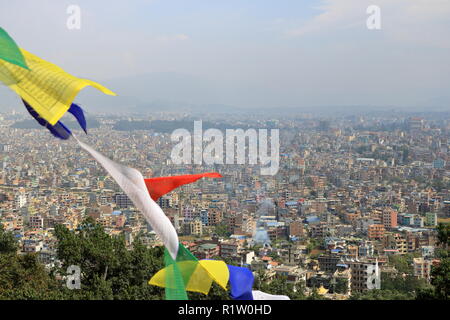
(356, 210)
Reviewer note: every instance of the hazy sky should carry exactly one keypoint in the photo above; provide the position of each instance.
(254, 53)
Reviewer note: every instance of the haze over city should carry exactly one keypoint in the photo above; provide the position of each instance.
(244, 54)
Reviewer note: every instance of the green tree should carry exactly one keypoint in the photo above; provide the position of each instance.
(406, 284)
(382, 295)
(23, 276)
(443, 235)
(403, 263)
(8, 243)
(312, 244)
(222, 230)
(108, 269)
(299, 291)
(216, 293)
(279, 286)
(440, 274)
(440, 279)
(340, 286)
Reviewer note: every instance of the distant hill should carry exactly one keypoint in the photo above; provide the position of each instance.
(168, 126)
(71, 124)
(157, 92)
(176, 92)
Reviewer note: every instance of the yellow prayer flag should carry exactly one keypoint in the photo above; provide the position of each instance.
(200, 280)
(46, 87)
(218, 271)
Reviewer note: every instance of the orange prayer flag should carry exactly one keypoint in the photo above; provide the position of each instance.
(159, 186)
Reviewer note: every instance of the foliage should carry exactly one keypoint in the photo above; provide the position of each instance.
(403, 263)
(216, 293)
(23, 276)
(340, 286)
(313, 244)
(8, 243)
(108, 269)
(440, 279)
(383, 295)
(440, 274)
(112, 271)
(406, 284)
(279, 286)
(443, 234)
(222, 230)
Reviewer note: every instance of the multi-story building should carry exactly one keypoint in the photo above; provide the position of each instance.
(204, 217)
(431, 219)
(196, 227)
(395, 241)
(207, 251)
(36, 222)
(293, 274)
(422, 267)
(122, 201)
(277, 233)
(366, 249)
(20, 200)
(32, 245)
(375, 231)
(165, 202)
(365, 275)
(320, 230)
(416, 124)
(215, 216)
(228, 249)
(296, 229)
(189, 213)
(389, 218)
(328, 262)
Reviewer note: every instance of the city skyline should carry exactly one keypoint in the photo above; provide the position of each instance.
(352, 212)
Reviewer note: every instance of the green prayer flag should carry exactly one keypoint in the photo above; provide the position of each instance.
(9, 51)
(177, 278)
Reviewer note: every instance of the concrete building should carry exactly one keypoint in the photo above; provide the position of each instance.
(328, 262)
(296, 229)
(365, 275)
(422, 267)
(293, 274)
(122, 201)
(228, 249)
(389, 219)
(375, 231)
(20, 200)
(207, 251)
(196, 227)
(165, 202)
(431, 219)
(366, 249)
(36, 222)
